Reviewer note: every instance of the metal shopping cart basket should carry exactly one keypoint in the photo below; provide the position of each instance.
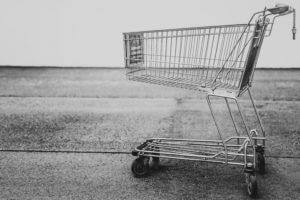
(217, 60)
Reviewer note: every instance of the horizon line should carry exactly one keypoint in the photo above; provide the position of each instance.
(112, 67)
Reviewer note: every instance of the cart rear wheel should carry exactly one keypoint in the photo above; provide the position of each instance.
(261, 163)
(252, 185)
(140, 167)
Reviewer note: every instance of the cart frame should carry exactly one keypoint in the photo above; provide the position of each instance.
(217, 60)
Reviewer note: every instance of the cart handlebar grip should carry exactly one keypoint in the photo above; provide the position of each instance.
(281, 10)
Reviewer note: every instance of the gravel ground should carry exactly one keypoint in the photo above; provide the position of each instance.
(98, 110)
(106, 176)
(120, 124)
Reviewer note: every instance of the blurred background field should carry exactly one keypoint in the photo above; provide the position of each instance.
(99, 110)
(268, 84)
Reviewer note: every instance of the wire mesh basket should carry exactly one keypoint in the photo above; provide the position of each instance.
(199, 58)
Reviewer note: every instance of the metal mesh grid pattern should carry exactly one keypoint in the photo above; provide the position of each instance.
(203, 57)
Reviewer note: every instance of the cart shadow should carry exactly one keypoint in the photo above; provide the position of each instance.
(201, 180)
(194, 180)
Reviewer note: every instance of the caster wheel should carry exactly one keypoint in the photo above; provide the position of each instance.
(251, 185)
(260, 163)
(140, 167)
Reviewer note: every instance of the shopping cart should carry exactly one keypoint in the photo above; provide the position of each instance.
(218, 60)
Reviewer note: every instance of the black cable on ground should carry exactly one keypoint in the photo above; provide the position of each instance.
(270, 156)
(100, 152)
(63, 151)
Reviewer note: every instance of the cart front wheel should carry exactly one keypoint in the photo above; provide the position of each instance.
(252, 185)
(261, 163)
(140, 167)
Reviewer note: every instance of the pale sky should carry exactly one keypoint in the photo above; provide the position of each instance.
(89, 32)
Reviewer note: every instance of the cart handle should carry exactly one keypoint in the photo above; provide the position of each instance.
(282, 9)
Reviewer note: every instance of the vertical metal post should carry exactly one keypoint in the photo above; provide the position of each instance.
(231, 116)
(218, 128)
(245, 153)
(125, 49)
(257, 116)
(242, 116)
(294, 25)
